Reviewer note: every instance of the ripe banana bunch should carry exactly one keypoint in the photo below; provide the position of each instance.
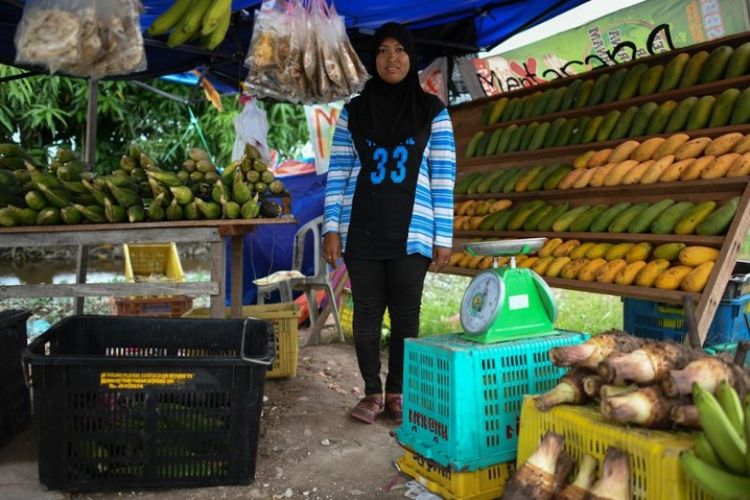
(720, 462)
(208, 20)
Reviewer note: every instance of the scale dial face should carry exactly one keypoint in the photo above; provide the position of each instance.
(481, 302)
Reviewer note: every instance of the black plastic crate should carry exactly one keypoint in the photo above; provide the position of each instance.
(15, 406)
(126, 402)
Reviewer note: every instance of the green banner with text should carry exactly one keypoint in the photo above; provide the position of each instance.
(650, 27)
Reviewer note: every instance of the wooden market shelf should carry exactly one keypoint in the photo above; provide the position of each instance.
(688, 239)
(689, 189)
(466, 122)
(636, 292)
(566, 154)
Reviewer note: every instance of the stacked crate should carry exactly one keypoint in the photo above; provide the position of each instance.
(146, 262)
(462, 407)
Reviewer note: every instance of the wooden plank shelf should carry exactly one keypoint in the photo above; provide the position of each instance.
(704, 189)
(712, 88)
(636, 292)
(217, 233)
(566, 154)
(688, 239)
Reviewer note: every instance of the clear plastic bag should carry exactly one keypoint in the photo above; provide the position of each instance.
(300, 52)
(354, 71)
(251, 127)
(50, 32)
(82, 37)
(269, 49)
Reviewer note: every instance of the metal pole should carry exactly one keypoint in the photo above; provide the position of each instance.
(89, 157)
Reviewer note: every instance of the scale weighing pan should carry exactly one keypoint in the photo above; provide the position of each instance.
(505, 247)
(507, 303)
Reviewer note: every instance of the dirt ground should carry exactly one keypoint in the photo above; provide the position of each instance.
(309, 448)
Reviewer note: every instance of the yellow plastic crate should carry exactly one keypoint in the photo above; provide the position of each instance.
(155, 258)
(656, 473)
(283, 317)
(482, 484)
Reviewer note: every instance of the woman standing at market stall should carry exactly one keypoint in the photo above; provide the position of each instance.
(389, 208)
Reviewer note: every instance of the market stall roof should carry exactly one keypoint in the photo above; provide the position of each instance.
(441, 27)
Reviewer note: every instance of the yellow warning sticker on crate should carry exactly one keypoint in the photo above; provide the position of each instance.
(128, 380)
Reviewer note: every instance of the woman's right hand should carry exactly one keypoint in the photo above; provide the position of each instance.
(332, 249)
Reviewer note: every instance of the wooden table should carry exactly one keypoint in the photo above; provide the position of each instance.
(215, 232)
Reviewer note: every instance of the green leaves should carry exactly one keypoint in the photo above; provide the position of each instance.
(45, 111)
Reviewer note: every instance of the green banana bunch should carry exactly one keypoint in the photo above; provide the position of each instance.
(189, 24)
(48, 216)
(70, 215)
(209, 209)
(22, 216)
(724, 438)
(114, 212)
(714, 480)
(155, 208)
(56, 198)
(169, 18)
(241, 192)
(92, 213)
(720, 462)
(182, 194)
(168, 178)
(174, 211)
(136, 213)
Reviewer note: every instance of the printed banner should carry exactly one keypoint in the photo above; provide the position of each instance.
(651, 27)
(321, 122)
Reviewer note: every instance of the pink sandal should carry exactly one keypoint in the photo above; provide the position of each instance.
(368, 409)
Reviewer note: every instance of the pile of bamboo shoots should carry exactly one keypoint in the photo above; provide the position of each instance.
(545, 473)
(639, 381)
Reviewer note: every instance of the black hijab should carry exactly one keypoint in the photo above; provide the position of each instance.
(391, 113)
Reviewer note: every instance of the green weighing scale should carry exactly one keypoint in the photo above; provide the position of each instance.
(507, 303)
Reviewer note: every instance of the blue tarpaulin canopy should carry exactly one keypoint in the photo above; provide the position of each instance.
(441, 27)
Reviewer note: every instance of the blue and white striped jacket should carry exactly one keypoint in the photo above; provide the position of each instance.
(432, 216)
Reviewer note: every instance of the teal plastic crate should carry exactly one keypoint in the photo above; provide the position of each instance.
(462, 400)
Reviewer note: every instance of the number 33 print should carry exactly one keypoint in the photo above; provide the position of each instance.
(397, 175)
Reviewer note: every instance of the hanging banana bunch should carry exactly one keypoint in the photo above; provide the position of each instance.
(204, 20)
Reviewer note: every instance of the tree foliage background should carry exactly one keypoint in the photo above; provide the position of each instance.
(43, 111)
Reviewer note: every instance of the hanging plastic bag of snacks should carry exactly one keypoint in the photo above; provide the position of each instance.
(82, 37)
(355, 73)
(50, 32)
(269, 49)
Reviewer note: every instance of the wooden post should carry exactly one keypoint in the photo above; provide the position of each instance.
(236, 266)
(218, 270)
(89, 157)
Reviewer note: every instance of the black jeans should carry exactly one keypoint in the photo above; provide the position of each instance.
(397, 284)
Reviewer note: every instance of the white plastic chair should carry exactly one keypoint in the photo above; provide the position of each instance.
(289, 280)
